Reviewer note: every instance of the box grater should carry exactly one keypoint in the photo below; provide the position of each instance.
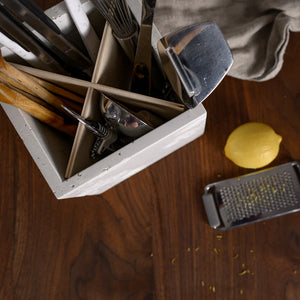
(253, 197)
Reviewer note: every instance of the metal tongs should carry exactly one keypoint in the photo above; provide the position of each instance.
(13, 29)
(56, 50)
(141, 76)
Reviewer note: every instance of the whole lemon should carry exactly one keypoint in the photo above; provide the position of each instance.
(252, 145)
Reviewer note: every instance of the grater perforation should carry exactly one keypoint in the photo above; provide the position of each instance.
(256, 196)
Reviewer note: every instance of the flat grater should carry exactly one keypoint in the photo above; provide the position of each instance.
(253, 197)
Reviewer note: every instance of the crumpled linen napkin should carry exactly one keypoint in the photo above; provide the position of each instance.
(257, 31)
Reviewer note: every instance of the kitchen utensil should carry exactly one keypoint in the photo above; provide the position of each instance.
(32, 7)
(164, 109)
(254, 197)
(195, 59)
(122, 23)
(141, 75)
(12, 28)
(123, 125)
(38, 90)
(14, 47)
(69, 55)
(30, 84)
(57, 90)
(38, 111)
(15, 85)
(93, 126)
(105, 136)
(123, 119)
(84, 27)
(104, 144)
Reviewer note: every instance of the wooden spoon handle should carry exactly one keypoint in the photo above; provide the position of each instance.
(57, 90)
(29, 83)
(36, 110)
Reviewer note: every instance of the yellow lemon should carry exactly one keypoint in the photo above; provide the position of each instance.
(252, 145)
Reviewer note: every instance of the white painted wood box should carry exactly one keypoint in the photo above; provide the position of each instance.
(51, 150)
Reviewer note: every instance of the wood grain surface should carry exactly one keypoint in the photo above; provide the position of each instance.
(148, 238)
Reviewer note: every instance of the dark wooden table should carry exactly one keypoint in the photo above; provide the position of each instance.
(148, 237)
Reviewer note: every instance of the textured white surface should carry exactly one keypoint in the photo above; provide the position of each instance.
(136, 156)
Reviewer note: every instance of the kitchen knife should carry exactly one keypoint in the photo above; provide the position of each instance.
(11, 27)
(27, 11)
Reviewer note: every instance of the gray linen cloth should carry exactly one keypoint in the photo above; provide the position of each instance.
(257, 31)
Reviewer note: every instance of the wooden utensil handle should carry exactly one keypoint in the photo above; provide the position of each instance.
(30, 84)
(36, 110)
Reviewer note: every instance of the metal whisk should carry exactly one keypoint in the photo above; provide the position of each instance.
(122, 22)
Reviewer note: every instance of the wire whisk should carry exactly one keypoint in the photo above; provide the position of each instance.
(118, 14)
(122, 23)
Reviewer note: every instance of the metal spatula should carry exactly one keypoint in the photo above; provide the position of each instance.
(254, 197)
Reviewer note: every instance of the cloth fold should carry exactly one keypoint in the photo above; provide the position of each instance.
(257, 31)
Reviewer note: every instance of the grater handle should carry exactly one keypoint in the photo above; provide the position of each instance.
(211, 210)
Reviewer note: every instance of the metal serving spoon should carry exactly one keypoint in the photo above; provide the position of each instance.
(125, 121)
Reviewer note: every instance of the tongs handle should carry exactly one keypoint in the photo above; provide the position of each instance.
(93, 126)
(11, 27)
(37, 11)
(36, 18)
(141, 75)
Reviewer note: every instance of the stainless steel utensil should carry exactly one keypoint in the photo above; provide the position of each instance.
(254, 197)
(105, 136)
(141, 75)
(34, 8)
(14, 47)
(104, 144)
(93, 126)
(125, 121)
(29, 12)
(122, 23)
(195, 59)
(34, 87)
(11, 27)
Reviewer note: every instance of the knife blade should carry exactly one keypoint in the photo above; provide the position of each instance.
(15, 48)
(11, 27)
(27, 11)
(34, 8)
